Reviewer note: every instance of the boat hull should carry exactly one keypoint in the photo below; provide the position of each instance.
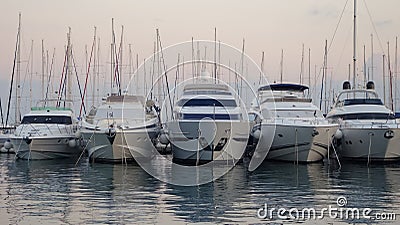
(374, 144)
(125, 146)
(297, 143)
(226, 144)
(39, 148)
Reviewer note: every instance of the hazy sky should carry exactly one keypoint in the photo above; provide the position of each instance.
(266, 25)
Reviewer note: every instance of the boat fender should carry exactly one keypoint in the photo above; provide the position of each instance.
(338, 134)
(111, 132)
(27, 140)
(314, 133)
(72, 143)
(164, 139)
(257, 134)
(78, 134)
(389, 134)
(8, 145)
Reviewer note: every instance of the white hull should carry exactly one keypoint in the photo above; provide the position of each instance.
(125, 146)
(297, 143)
(188, 149)
(369, 143)
(38, 148)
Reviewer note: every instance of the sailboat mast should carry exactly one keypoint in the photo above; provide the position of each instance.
(282, 66)
(372, 58)
(69, 66)
(30, 77)
(354, 44)
(94, 68)
(18, 76)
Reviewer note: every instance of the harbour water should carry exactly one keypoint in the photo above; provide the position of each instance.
(60, 192)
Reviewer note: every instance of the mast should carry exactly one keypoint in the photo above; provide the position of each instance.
(384, 81)
(365, 69)
(69, 66)
(43, 70)
(302, 65)
(395, 75)
(112, 56)
(215, 54)
(354, 44)
(262, 69)
(94, 68)
(18, 76)
(372, 58)
(309, 68)
(282, 66)
(390, 80)
(30, 77)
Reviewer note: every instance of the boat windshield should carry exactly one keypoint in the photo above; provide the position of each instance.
(47, 119)
(207, 102)
(358, 97)
(366, 116)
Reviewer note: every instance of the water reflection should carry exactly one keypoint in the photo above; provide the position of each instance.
(58, 192)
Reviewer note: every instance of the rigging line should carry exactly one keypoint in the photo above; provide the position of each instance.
(79, 85)
(337, 25)
(12, 77)
(373, 25)
(165, 73)
(1, 111)
(49, 79)
(176, 78)
(62, 77)
(86, 81)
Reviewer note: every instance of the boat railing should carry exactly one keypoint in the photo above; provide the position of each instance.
(310, 121)
(348, 124)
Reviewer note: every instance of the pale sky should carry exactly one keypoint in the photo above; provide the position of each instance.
(266, 25)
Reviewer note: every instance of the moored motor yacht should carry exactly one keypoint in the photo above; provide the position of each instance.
(122, 128)
(209, 124)
(368, 129)
(46, 133)
(294, 127)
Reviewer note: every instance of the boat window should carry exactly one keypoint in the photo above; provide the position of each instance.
(47, 119)
(358, 95)
(362, 102)
(366, 116)
(207, 102)
(298, 114)
(210, 92)
(211, 116)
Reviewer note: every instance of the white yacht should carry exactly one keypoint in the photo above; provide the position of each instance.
(46, 133)
(208, 124)
(368, 130)
(122, 128)
(296, 129)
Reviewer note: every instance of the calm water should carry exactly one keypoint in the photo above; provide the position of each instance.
(58, 192)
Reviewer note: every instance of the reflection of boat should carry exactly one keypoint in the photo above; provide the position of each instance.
(368, 130)
(301, 132)
(208, 124)
(46, 133)
(120, 129)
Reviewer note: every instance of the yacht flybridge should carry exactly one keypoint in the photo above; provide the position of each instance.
(368, 129)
